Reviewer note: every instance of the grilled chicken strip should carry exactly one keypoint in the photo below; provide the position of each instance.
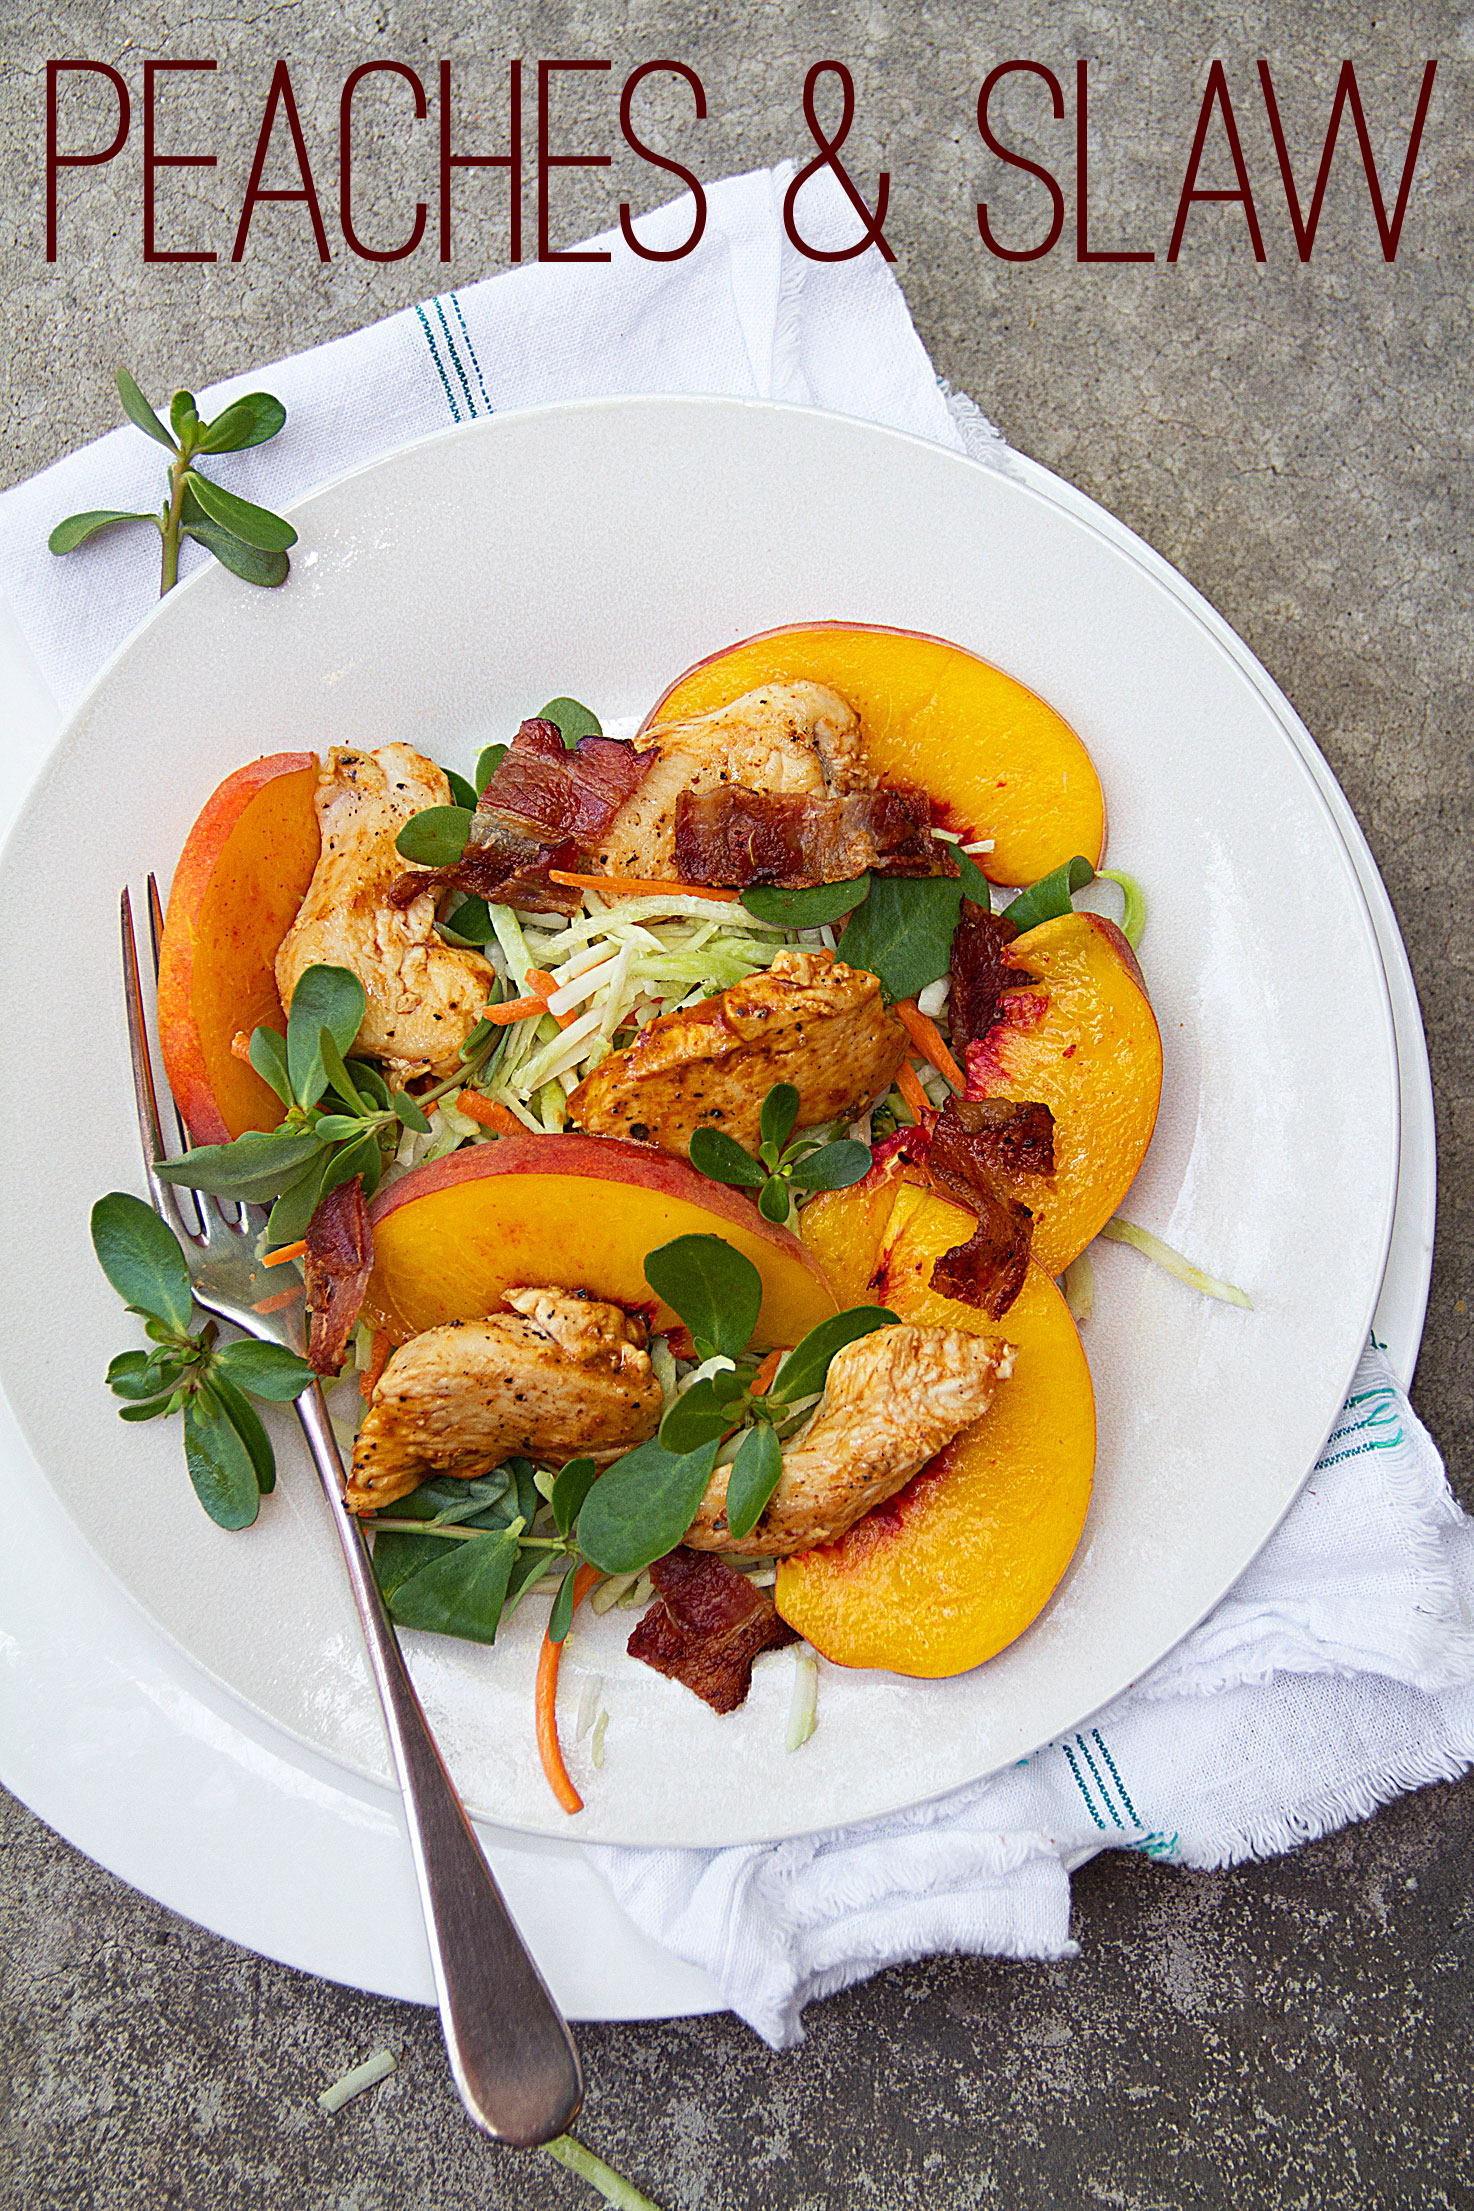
(894, 1399)
(786, 737)
(424, 997)
(809, 1020)
(559, 1377)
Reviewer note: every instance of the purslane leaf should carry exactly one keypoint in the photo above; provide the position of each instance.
(574, 1482)
(832, 1167)
(903, 932)
(269, 1058)
(339, 1076)
(246, 1421)
(809, 909)
(408, 1112)
(138, 410)
(461, 791)
(219, 1462)
(806, 1368)
(753, 1479)
(779, 1112)
(560, 1619)
(642, 1506)
(248, 421)
(717, 1292)
(435, 837)
(142, 1259)
(461, 1593)
(697, 1415)
(1050, 897)
(329, 998)
(254, 525)
(721, 1159)
(77, 528)
(491, 759)
(249, 562)
(256, 1167)
(773, 1200)
(265, 1369)
(471, 923)
(183, 415)
(573, 718)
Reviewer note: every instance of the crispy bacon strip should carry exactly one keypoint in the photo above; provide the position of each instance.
(541, 809)
(706, 1627)
(338, 1262)
(975, 1144)
(736, 836)
(980, 974)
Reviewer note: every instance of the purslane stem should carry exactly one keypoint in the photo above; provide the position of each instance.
(169, 567)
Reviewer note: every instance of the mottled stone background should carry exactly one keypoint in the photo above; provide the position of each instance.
(1296, 439)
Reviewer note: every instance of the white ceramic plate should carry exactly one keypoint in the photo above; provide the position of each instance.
(598, 549)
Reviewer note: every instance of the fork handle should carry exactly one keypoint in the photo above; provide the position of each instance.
(510, 2051)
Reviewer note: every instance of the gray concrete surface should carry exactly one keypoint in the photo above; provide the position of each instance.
(1296, 439)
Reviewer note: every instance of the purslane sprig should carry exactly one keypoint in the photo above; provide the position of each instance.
(340, 1121)
(779, 1167)
(226, 1448)
(249, 540)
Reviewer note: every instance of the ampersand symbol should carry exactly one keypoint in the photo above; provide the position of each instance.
(874, 235)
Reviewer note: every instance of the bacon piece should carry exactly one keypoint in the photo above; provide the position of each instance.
(976, 1142)
(735, 836)
(543, 807)
(980, 973)
(338, 1262)
(706, 1627)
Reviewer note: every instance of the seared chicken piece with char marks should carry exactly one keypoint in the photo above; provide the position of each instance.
(894, 1399)
(809, 1020)
(559, 1377)
(424, 997)
(796, 738)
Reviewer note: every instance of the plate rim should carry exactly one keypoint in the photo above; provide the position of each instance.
(1008, 467)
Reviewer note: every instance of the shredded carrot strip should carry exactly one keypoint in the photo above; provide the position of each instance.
(514, 1009)
(549, 1748)
(287, 1251)
(544, 984)
(380, 1352)
(240, 1046)
(635, 886)
(928, 1039)
(765, 1373)
(909, 1084)
(275, 1304)
(477, 1108)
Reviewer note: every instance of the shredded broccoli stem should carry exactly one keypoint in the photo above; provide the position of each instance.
(612, 2186)
(803, 1705)
(373, 2069)
(1079, 1286)
(1133, 919)
(1119, 1231)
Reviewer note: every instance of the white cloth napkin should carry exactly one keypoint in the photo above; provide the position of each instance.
(1340, 1670)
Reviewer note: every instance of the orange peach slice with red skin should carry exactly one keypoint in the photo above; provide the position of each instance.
(957, 1564)
(566, 1213)
(241, 877)
(1082, 1038)
(993, 757)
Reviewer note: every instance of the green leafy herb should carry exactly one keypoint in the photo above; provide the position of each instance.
(643, 1505)
(1050, 897)
(471, 923)
(717, 1292)
(436, 836)
(809, 909)
(573, 718)
(462, 1591)
(491, 759)
(560, 1619)
(464, 793)
(809, 1164)
(806, 1369)
(903, 932)
(753, 1479)
(574, 1482)
(226, 1449)
(249, 540)
(342, 1119)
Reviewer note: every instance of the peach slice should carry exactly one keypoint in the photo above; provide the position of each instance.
(566, 1213)
(1083, 1039)
(966, 1556)
(241, 877)
(994, 758)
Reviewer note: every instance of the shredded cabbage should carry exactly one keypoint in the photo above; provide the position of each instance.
(803, 1705)
(1119, 1231)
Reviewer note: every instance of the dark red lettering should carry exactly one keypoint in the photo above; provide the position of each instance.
(1347, 95)
(345, 161)
(659, 161)
(56, 161)
(281, 96)
(1216, 94)
(511, 161)
(547, 162)
(1017, 161)
(1082, 179)
(153, 161)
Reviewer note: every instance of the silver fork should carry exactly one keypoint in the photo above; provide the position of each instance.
(510, 2051)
